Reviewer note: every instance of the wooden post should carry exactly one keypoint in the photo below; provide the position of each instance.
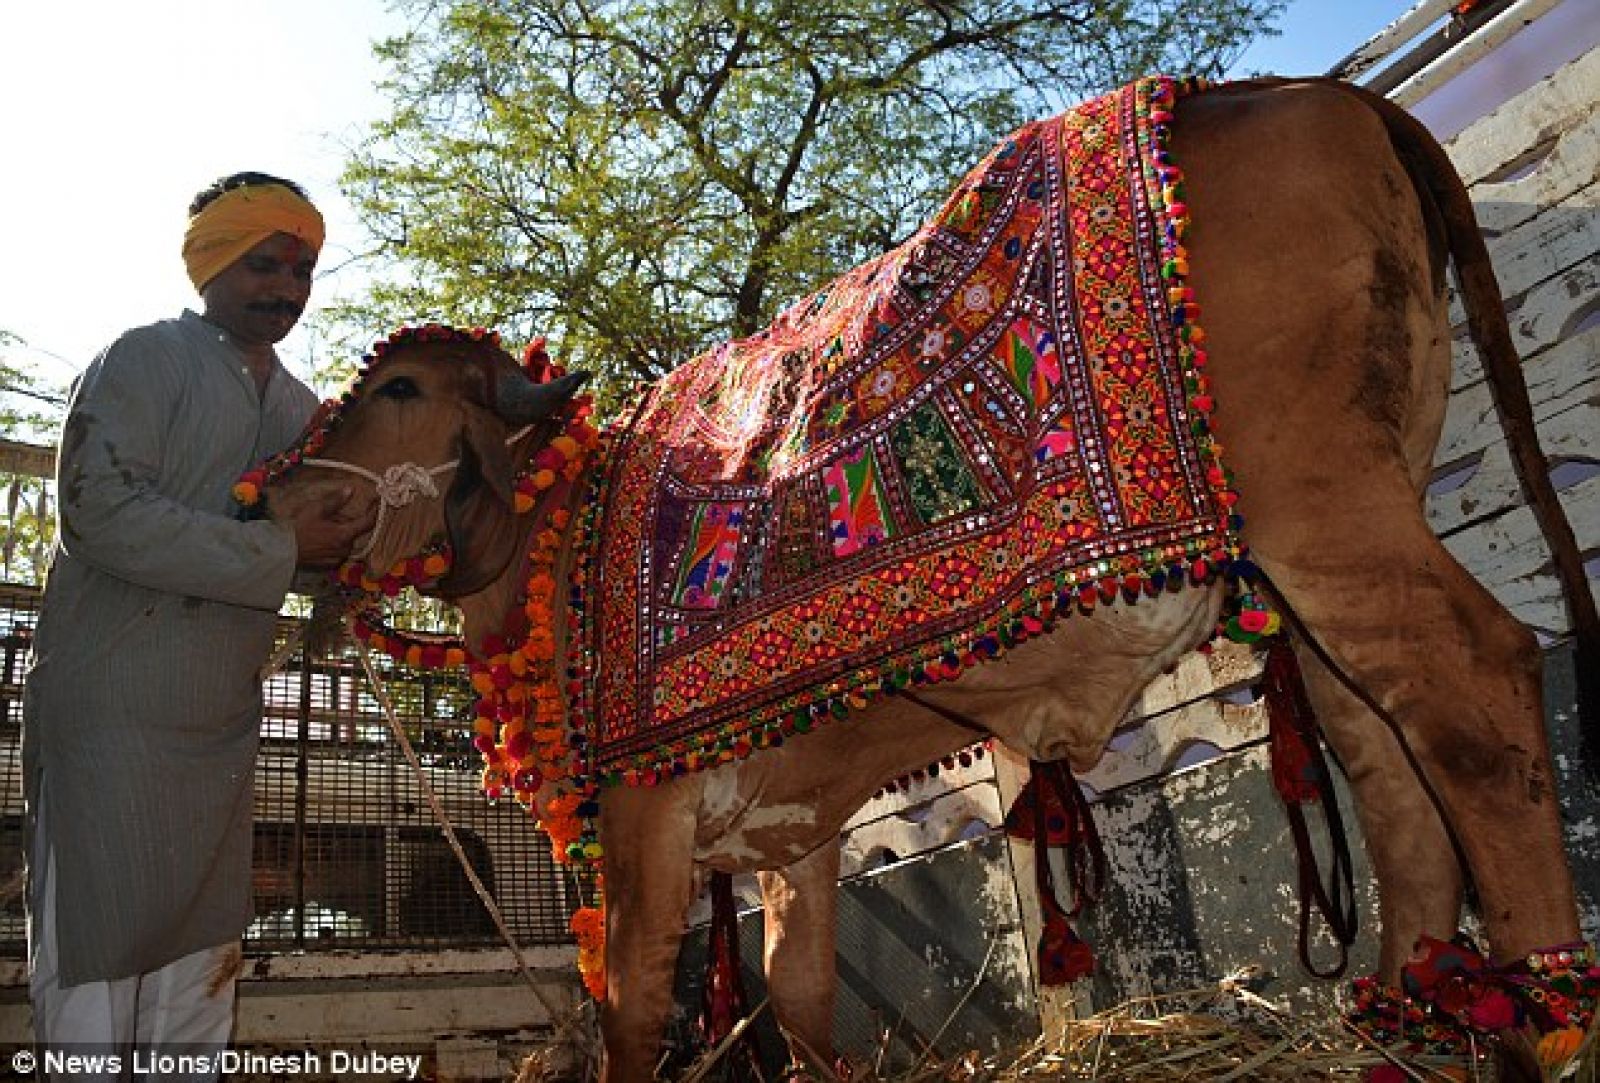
(29, 460)
(1058, 1005)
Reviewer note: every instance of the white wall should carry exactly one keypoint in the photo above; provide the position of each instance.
(1556, 38)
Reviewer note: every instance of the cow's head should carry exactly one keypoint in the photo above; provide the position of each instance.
(436, 428)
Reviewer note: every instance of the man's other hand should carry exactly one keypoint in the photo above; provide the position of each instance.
(326, 527)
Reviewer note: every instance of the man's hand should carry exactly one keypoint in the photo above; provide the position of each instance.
(326, 527)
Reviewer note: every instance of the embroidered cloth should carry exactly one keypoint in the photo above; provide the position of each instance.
(932, 457)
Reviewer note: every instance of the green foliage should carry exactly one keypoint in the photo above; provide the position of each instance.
(639, 180)
(29, 409)
(30, 412)
(28, 527)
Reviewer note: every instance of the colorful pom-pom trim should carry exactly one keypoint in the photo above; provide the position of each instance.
(1454, 1001)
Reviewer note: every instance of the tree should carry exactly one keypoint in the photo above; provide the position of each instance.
(639, 180)
(29, 413)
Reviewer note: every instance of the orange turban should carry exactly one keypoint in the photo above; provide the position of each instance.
(238, 220)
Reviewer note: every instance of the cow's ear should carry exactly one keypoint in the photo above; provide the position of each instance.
(479, 519)
(481, 437)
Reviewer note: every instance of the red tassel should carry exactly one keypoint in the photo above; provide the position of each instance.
(1058, 821)
(724, 990)
(1294, 765)
(1442, 971)
(1052, 807)
(723, 1003)
(1301, 776)
(1063, 955)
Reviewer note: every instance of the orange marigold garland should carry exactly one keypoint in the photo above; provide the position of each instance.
(589, 926)
(521, 716)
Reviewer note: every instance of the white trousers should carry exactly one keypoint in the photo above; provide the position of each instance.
(147, 1026)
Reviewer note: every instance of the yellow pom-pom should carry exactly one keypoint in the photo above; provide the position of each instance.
(246, 493)
(543, 479)
(435, 564)
(566, 445)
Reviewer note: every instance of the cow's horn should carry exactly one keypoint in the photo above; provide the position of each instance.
(520, 401)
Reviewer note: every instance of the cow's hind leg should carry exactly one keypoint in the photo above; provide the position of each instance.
(1329, 352)
(649, 840)
(1432, 651)
(1412, 856)
(801, 903)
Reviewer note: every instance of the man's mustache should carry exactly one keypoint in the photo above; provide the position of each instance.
(277, 308)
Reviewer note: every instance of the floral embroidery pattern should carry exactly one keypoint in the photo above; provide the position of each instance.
(998, 424)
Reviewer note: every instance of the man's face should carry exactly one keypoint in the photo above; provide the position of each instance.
(259, 297)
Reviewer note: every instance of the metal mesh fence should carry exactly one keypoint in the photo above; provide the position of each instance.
(348, 852)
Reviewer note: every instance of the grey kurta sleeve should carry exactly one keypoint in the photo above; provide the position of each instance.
(114, 477)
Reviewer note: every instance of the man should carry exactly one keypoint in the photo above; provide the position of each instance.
(143, 704)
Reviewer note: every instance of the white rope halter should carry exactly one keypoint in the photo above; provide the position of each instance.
(399, 485)
(396, 487)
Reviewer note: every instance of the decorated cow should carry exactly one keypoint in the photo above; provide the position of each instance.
(996, 479)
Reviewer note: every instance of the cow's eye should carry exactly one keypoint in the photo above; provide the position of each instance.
(401, 387)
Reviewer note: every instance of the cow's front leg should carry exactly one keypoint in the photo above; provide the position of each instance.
(801, 902)
(648, 836)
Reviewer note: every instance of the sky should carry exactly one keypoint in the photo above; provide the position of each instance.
(115, 113)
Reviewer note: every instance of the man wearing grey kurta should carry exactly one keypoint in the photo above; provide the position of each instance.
(143, 704)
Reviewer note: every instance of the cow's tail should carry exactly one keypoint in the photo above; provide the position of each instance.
(1439, 184)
